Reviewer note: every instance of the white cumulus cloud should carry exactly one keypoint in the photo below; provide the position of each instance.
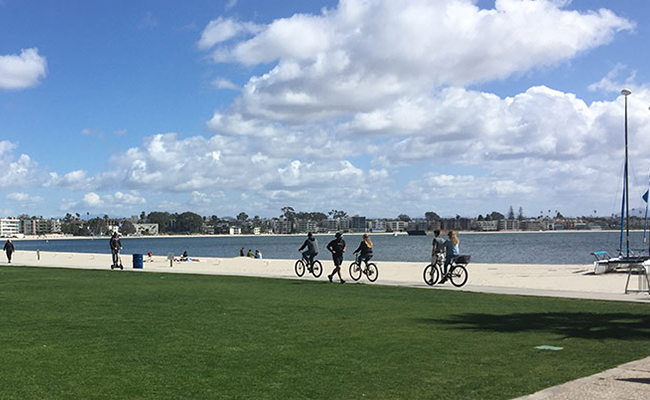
(21, 71)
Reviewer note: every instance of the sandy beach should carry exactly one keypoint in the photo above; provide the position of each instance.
(569, 281)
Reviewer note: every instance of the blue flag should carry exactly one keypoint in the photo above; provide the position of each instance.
(645, 196)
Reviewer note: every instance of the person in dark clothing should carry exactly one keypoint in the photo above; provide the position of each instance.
(364, 250)
(437, 247)
(116, 246)
(9, 249)
(337, 248)
(241, 252)
(311, 244)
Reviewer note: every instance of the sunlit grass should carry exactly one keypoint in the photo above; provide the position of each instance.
(73, 334)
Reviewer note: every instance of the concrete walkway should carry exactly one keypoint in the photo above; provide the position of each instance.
(627, 382)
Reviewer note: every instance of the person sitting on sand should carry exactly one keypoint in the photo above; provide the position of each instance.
(150, 255)
(258, 254)
(184, 257)
(250, 253)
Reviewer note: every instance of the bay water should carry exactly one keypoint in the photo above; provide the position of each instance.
(567, 247)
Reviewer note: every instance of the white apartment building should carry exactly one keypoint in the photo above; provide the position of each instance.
(377, 226)
(487, 225)
(396, 226)
(9, 227)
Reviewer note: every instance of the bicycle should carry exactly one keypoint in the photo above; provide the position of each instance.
(316, 268)
(457, 273)
(356, 269)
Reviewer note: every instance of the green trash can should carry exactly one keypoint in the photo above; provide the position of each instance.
(137, 261)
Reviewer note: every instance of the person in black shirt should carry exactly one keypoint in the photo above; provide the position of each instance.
(9, 249)
(116, 246)
(311, 244)
(364, 250)
(337, 248)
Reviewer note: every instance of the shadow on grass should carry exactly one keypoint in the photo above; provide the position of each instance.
(570, 325)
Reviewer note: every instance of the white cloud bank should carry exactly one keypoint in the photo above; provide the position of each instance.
(367, 54)
(21, 71)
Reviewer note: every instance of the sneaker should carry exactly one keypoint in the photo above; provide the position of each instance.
(443, 280)
(330, 278)
(342, 281)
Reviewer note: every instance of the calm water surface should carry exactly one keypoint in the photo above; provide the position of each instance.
(503, 248)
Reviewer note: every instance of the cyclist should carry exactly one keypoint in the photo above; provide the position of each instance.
(364, 250)
(311, 244)
(438, 247)
(337, 248)
(452, 251)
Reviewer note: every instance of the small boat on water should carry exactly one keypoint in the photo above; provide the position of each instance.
(416, 233)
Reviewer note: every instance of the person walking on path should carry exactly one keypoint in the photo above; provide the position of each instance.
(337, 248)
(452, 251)
(364, 250)
(9, 249)
(116, 246)
(311, 244)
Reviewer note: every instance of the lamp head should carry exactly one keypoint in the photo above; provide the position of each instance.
(626, 92)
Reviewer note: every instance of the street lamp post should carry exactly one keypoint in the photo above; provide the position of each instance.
(626, 92)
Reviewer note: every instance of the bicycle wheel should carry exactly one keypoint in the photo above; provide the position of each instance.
(431, 275)
(355, 271)
(317, 268)
(458, 276)
(300, 268)
(372, 272)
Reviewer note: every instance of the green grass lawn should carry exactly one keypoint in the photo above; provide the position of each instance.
(74, 334)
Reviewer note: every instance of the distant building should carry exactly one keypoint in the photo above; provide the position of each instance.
(508, 225)
(305, 226)
(235, 230)
(487, 226)
(396, 226)
(146, 229)
(339, 224)
(282, 226)
(40, 226)
(434, 225)
(358, 224)
(377, 225)
(531, 225)
(9, 227)
(418, 224)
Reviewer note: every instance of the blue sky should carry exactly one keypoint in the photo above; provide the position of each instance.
(372, 107)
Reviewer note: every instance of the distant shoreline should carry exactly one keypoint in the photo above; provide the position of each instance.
(59, 237)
